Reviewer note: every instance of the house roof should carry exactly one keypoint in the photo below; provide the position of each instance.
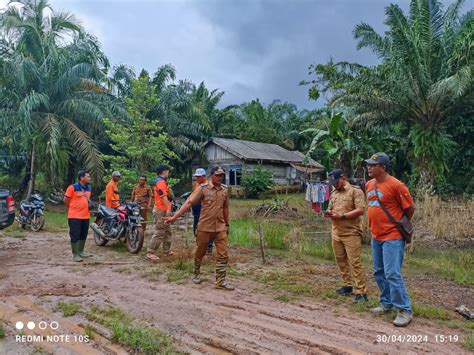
(255, 151)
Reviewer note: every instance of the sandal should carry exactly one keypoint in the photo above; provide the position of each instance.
(152, 257)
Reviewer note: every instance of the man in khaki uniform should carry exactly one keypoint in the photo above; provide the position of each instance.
(346, 206)
(142, 194)
(213, 224)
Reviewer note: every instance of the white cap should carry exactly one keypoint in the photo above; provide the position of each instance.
(200, 172)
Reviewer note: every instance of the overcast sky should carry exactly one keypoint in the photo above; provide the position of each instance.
(247, 48)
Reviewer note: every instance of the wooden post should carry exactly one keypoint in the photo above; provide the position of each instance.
(260, 236)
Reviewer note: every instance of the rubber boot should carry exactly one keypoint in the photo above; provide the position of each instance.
(81, 253)
(221, 282)
(197, 272)
(75, 252)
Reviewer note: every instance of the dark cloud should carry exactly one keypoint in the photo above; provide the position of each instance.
(248, 48)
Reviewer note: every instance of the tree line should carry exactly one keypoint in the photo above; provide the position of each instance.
(64, 107)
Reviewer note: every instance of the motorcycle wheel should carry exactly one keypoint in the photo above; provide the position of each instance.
(20, 224)
(135, 239)
(37, 222)
(97, 238)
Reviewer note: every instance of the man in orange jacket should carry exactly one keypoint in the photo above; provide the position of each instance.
(112, 194)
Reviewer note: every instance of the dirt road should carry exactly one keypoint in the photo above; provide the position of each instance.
(36, 272)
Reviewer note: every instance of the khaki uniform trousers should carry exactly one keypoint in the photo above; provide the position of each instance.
(220, 239)
(347, 252)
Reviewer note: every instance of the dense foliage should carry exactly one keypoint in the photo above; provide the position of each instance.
(63, 107)
(422, 88)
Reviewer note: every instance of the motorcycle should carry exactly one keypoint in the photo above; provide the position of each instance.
(176, 204)
(122, 223)
(32, 213)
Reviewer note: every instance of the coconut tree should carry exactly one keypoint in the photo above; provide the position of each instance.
(424, 79)
(52, 73)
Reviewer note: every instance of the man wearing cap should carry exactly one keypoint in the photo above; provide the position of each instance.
(213, 224)
(387, 243)
(162, 208)
(142, 194)
(346, 206)
(200, 176)
(112, 194)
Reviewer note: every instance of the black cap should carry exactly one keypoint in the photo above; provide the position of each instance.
(335, 174)
(378, 158)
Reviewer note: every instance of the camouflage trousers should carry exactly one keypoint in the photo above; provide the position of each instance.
(220, 239)
(162, 234)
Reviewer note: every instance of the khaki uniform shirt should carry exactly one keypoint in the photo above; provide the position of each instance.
(346, 200)
(213, 201)
(141, 195)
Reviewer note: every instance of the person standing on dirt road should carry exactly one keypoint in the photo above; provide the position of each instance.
(346, 206)
(161, 209)
(112, 194)
(213, 225)
(387, 243)
(200, 175)
(77, 200)
(142, 194)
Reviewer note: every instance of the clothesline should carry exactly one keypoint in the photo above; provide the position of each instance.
(318, 195)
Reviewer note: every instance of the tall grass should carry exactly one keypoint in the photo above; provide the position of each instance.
(244, 232)
(451, 219)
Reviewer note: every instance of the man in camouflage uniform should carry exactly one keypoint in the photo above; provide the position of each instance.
(213, 224)
(162, 208)
(346, 206)
(142, 194)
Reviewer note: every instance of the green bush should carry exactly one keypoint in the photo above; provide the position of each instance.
(257, 182)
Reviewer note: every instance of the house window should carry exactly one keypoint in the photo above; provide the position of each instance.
(235, 176)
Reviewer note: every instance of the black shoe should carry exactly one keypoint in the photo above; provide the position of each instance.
(344, 291)
(361, 297)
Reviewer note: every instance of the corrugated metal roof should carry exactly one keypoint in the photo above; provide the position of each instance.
(247, 150)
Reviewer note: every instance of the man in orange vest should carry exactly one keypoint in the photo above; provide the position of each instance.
(77, 200)
(162, 208)
(112, 194)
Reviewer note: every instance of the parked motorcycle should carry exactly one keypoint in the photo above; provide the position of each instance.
(32, 213)
(176, 204)
(122, 223)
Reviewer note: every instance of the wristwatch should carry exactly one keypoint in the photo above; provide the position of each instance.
(343, 216)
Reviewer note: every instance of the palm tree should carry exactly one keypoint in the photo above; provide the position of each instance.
(53, 90)
(424, 80)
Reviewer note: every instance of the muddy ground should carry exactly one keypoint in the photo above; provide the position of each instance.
(37, 272)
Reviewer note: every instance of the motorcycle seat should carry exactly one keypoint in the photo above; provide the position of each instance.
(108, 212)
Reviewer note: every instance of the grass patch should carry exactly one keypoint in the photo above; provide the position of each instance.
(454, 265)
(244, 232)
(322, 250)
(286, 282)
(89, 332)
(119, 246)
(430, 312)
(282, 298)
(128, 332)
(176, 275)
(68, 309)
(152, 274)
(234, 272)
(331, 294)
(55, 221)
(469, 341)
(2, 330)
